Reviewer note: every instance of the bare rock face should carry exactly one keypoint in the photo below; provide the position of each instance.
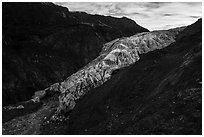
(115, 55)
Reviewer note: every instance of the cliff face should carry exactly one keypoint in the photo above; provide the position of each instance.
(44, 43)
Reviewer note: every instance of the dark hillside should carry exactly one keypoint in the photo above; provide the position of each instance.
(159, 94)
(44, 43)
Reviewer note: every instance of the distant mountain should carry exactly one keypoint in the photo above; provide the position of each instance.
(44, 43)
(125, 25)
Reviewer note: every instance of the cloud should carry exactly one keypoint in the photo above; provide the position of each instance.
(151, 15)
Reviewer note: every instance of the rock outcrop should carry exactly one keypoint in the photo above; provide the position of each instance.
(43, 43)
(115, 55)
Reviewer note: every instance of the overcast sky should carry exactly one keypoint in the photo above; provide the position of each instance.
(151, 15)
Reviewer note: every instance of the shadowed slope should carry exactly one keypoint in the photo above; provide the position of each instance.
(44, 43)
(159, 94)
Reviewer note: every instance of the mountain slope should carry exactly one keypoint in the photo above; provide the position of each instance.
(125, 25)
(44, 43)
(159, 94)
